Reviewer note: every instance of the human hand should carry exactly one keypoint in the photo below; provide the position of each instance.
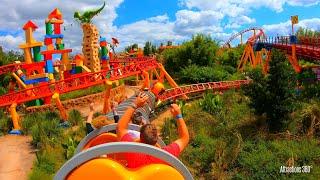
(141, 99)
(175, 110)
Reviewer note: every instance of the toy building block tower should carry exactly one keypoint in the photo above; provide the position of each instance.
(31, 43)
(53, 31)
(34, 69)
(104, 53)
(90, 47)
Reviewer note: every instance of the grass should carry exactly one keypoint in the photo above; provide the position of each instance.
(5, 123)
(55, 145)
(82, 92)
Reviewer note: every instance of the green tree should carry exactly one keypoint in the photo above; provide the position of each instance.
(274, 94)
(201, 51)
(147, 48)
(133, 46)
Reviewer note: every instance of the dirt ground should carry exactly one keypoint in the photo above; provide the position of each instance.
(84, 110)
(16, 157)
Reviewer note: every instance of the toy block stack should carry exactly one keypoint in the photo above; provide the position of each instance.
(104, 53)
(34, 69)
(53, 32)
(90, 47)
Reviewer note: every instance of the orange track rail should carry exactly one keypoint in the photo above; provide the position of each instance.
(198, 88)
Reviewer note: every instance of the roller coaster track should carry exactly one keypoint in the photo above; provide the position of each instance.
(255, 36)
(78, 82)
(9, 68)
(14, 67)
(198, 88)
(305, 48)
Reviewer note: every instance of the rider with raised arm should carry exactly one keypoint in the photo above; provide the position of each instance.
(149, 134)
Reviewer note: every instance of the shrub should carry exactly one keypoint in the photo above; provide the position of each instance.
(212, 103)
(196, 74)
(5, 123)
(75, 117)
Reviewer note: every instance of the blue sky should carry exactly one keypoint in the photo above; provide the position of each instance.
(158, 20)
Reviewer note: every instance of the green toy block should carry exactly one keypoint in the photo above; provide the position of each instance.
(104, 51)
(78, 69)
(49, 28)
(60, 46)
(36, 54)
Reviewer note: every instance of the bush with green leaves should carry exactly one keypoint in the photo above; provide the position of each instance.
(212, 103)
(5, 123)
(75, 117)
(70, 146)
(196, 74)
(200, 51)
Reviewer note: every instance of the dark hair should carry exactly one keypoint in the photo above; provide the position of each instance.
(137, 118)
(149, 134)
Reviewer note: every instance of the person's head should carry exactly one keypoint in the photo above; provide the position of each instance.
(138, 119)
(149, 134)
(157, 88)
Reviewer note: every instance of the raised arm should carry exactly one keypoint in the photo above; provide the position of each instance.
(182, 127)
(122, 127)
(89, 119)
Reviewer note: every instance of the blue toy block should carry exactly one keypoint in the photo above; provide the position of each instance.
(49, 66)
(16, 132)
(102, 39)
(73, 71)
(104, 57)
(34, 81)
(54, 36)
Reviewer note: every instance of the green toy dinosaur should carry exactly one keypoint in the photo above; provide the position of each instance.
(87, 16)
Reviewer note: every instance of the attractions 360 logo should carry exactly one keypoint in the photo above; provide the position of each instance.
(295, 169)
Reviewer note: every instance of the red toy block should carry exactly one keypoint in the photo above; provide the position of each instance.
(47, 41)
(47, 56)
(103, 43)
(34, 67)
(57, 29)
(29, 24)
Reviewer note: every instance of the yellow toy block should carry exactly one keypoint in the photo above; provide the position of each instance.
(65, 58)
(37, 76)
(59, 41)
(50, 76)
(29, 36)
(27, 55)
(50, 47)
(34, 44)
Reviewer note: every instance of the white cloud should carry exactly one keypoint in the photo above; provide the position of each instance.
(191, 22)
(243, 6)
(10, 42)
(284, 28)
